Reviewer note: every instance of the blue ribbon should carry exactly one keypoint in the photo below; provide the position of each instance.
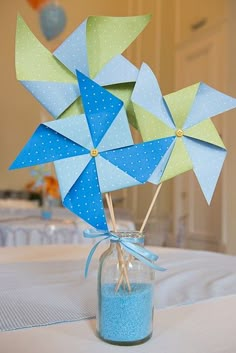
(130, 245)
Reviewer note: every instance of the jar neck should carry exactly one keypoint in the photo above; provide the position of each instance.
(134, 237)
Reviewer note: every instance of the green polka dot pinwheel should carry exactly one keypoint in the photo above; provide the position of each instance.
(93, 153)
(185, 116)
(94, 49)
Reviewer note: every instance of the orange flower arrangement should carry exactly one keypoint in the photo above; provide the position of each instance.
(49, 186)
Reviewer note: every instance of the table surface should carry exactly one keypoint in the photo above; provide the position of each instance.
(207, 326)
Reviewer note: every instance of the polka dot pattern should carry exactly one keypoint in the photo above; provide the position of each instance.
(100, 106)
(113, 34)
(207, 162)
(34, 62)
(205, 131)
(85, 199)
(111, 177)
(75, 128)
(179, 111)
(208, 103)
(45, 146)
(147, 94)
(73, 51)
(51, 79)
(118, 134)
(140, 160)
(117, 70)
(191, 109)
(56, 97)
(69, 170)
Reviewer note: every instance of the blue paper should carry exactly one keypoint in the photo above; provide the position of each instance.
(73, 167)
(111, 177)
(118, 70)
(188, 112)
(100, 107)
(74, 129)
(71, 142)
(147, 94)
(56, 97)
(207, 168)
(73, 51)
(139, 160)
(119, 133)
(85, 199)
(201, 109)
(45, 146)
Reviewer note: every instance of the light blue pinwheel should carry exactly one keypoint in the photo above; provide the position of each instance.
(94, 49)
(185, 116)
(93, 152)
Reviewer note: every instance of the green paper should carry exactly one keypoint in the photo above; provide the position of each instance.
(76, 108)
(179, 161)
(180, 103)
(124, 91)
(110, 36)
(150, 126)
(205, 131)
(34, 62)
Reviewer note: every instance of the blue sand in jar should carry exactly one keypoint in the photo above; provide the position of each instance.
(126, 316)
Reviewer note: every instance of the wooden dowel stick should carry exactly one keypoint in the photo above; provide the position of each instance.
(121, 260)
(150, 208)
(111, 211)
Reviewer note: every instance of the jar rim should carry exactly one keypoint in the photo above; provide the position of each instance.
(134, 234)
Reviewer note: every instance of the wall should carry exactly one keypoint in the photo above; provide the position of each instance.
(229, 198)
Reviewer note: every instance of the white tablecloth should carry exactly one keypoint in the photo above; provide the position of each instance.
(207, 326)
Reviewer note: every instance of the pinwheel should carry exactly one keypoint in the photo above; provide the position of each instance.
(94, 49)
(93, 152)
(184, 115)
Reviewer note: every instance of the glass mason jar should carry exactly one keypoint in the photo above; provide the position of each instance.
(125, 295)
(46, 210)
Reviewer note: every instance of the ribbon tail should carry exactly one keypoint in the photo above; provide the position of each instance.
(145, 260)
(142, 251)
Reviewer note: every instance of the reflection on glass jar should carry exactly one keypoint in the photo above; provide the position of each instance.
(125, 295)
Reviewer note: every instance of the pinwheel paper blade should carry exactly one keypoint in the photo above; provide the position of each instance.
(51, 78)
(93, 153)
(185, 116)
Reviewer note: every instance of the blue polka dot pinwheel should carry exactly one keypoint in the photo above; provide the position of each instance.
(94, 49)
(185, 116)
(93, 153)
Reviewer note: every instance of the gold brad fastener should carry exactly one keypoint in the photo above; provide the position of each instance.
(94, 152)
(179, 133)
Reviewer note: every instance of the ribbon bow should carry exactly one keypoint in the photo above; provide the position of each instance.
(130, 245)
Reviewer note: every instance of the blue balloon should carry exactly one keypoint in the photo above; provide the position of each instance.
(52, 20)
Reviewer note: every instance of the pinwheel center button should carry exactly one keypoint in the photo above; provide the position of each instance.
(94, 152)
(179, 133)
